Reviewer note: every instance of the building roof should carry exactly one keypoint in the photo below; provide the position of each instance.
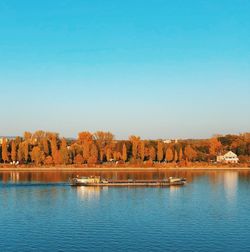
(228, 154)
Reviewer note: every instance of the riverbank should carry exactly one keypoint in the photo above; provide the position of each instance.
(72, 169)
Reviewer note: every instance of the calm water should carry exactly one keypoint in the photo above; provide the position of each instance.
(40, 212)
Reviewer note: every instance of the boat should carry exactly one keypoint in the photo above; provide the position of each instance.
(98, 181)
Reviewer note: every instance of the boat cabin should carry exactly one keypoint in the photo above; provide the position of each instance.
(89, 180)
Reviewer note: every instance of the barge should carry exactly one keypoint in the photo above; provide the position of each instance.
(98, 181)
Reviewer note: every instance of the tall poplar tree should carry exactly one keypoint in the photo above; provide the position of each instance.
(5, 155)
(54, 150)
(135, 142)
(152, 153)
(181, 154)
(124, 153)
(142, 150)
(169, 155)
(13, 151)
(159, 151)
(175, 156)
(64, 155)
(26, 150)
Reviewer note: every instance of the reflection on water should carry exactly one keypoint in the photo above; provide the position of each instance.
(54, 176)
(88, 192)
(231, 185)
(228, 178)
(39, 211)
(173, 190)
(14, 176)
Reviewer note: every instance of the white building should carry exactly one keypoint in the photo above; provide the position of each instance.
(167, 141)
(229, 157)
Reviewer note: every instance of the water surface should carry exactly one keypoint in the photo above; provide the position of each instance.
(40, 212)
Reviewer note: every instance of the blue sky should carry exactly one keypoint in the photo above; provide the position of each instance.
(155, 68)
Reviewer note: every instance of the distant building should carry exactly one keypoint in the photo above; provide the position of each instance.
(167, 141)
(7, 138)
(228, 157)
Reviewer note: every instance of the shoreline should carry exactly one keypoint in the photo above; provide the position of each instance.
(89, 169)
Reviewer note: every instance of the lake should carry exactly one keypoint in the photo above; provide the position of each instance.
(39, 211)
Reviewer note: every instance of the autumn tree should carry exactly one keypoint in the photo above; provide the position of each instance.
(180, 154)
(190, 153)
(118, 155)
(169, 155)
(152, 153)
(27, 136)
(135, 143)
(45, 145)
(26, 150)
(38, 137)
(54, 148)
(20, 152)
(78, 159)
(214, 146)
(49, 160)
(74, 150)
(85, 139)
(124, 153)
(108, 154)
(142, 150)
(103, 139)
(175, 156)
(5, 155)
(93, 155)
(64, 155)
(13, 151)
(37, 155)
(115, 155)
(159, 151)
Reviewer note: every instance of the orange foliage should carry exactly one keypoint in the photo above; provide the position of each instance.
(190, 153)
(49, 160)
(160, 151)
(169, 155)
(5, 155)
(124, 153)
(13, 151)
(214, 146)
(78, 159)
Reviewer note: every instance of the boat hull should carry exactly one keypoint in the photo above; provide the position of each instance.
(132, 184)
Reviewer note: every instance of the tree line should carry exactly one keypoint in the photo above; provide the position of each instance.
(47, 148)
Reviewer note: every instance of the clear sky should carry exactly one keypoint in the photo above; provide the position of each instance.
(154, 68)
